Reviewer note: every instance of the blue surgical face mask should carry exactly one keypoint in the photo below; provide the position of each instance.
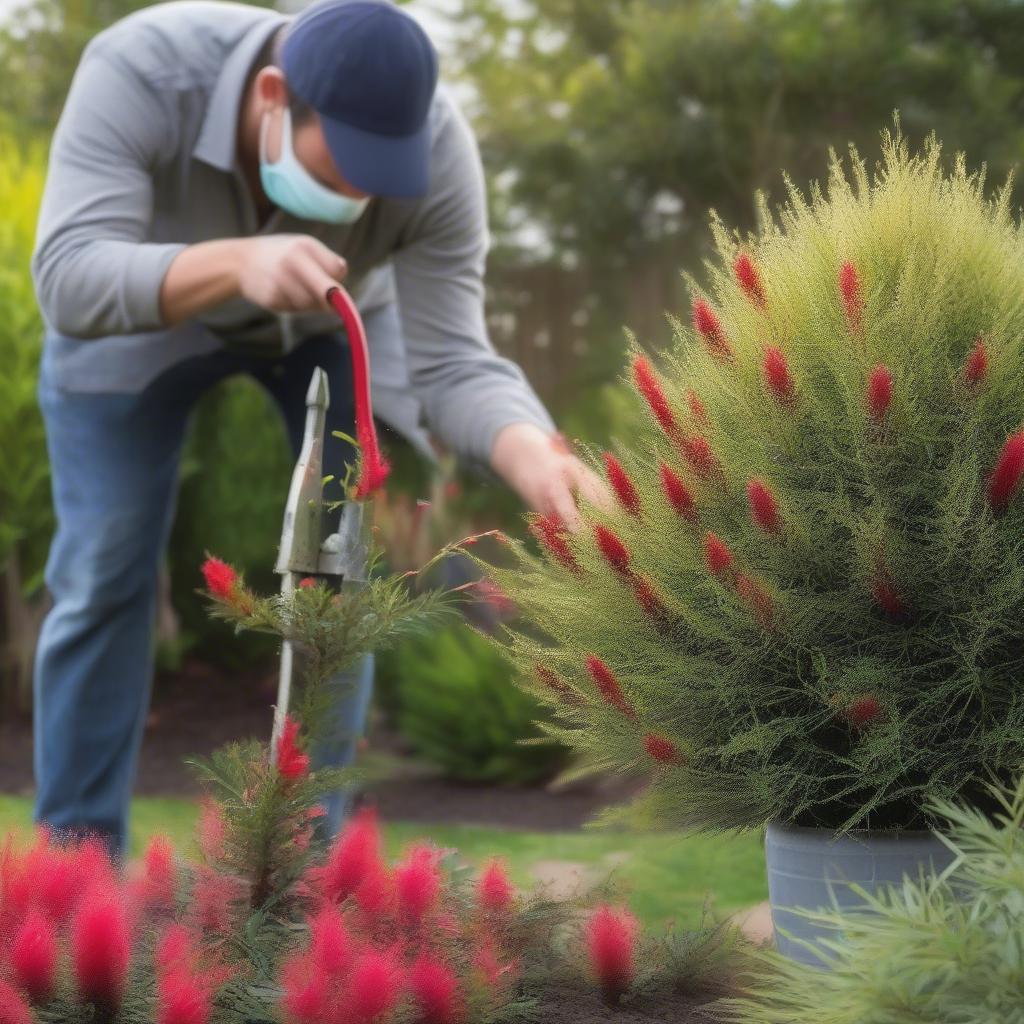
(290, 186)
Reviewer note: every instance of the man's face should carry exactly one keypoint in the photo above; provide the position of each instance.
(307, 136)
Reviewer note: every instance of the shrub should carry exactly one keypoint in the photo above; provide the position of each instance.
(459, 708)
(941, 951)
(25, 515)
(808, 603)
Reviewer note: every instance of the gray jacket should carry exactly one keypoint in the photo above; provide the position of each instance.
(143, 163)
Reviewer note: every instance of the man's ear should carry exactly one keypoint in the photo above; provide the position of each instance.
(270, 87)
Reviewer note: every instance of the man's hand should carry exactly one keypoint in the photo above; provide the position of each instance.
(545, 473)
(288, 273)
(282, 273)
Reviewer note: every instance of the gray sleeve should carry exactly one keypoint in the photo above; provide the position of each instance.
(468, 392)
(94, 272)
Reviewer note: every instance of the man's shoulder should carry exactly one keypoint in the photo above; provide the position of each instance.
(179, 42)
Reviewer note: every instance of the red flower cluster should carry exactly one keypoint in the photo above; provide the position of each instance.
(697, 409)
(976, 367)
(699, 454)
(862, 711)
(611, 936)
(678, 494)
(709, 327)
(886, 596)
(608, 686)
(1005, 479)
(721, 564)
(382, 936)
(879, 392)
(625, 489)
(650, 387)
(749, 278)
(777, 377)
(852, 294)
(555, 683)
(292, 763)
(764, 509)
(616, 554)
(220, 577)
(550, 531)
(662, 750)
(717, 556)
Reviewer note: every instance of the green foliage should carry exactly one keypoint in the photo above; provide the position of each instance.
(946, 951)
(25, 520)
(786, 687)
(459, 710)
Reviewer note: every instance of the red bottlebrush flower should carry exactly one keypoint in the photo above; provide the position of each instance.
(375, 896)
(700, 455)
(862, 711)
(678, 494)
(12, 1007)
(717, 556)
(417, 883)
(292, 763)
(554, 682)
(101, 948)
(879, 393)
(697, 408)
(211, 831)
(551, 533)
(887, 598)
(976, 367)
(614, 551)
(648, 598)
(494, 889)
(374, 986)
(608, 686)
(662, 750)
(373, 468)
(490, 969)
(709, 327)
(330, 945)
(307, 582)
(355, 853)
(435, 989)
(1005, 478)
(213, 898)
(161, 873)
(611, 938)
(649, 386)
(183, 999)
(174, 949)
(220, 577)
(852, 293)
(757, 599)
(306, 992)
(748, 277)
(764, 509)
(496, 599)
(59, 877)
(625, 489)
(777, 377)
(34, 957)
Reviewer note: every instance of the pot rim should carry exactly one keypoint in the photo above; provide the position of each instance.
(855, 833)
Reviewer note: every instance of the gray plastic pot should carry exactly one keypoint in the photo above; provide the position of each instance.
(811, 869)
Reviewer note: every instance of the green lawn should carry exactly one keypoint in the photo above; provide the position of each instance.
(668, 876)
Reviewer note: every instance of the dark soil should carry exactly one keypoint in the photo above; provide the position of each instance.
(199, 708)
(571, 1006)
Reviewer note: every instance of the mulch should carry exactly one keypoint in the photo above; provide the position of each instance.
(199, 708)
(569, 1005)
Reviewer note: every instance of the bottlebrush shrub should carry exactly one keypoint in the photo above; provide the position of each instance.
(941, 952)
(809, 595)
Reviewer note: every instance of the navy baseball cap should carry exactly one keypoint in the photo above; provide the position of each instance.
(369, 71)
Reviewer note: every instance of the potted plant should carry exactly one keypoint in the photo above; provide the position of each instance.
(804, 612)
(940, 952)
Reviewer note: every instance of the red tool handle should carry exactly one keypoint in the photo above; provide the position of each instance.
(374, 469)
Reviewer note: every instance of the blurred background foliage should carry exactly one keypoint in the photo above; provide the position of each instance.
(608, 128)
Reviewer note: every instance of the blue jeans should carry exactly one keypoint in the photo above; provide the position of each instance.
(114, 462)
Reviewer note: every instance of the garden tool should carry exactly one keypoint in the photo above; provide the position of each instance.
(308, 547)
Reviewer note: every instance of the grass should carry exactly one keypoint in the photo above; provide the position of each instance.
(667, 876)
